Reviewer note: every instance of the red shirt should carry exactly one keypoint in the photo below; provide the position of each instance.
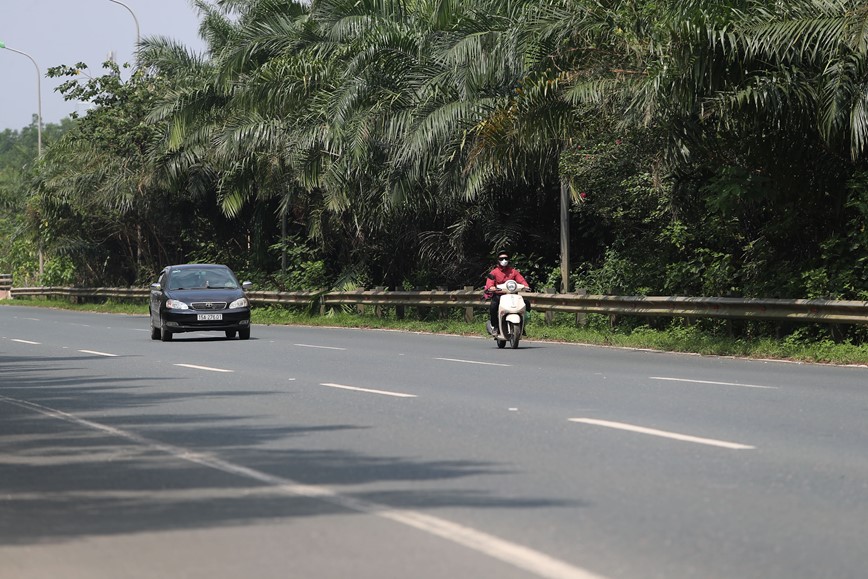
(501, 275)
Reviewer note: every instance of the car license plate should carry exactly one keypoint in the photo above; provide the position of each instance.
(209, 317)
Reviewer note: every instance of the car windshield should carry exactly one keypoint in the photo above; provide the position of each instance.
(202, 279)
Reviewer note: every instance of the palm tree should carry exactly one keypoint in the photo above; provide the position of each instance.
(218, 139)
(805, 61)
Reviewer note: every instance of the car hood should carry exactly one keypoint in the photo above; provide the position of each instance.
(206, 295)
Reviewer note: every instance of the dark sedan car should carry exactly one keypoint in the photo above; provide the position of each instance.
(199, 297)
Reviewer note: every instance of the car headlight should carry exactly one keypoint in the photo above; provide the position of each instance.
(239, 303)
(176, 305)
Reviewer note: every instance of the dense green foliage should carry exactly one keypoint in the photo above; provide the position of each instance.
(22, 228)
(712, 147)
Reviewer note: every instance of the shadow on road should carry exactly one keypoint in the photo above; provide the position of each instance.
(62, 480)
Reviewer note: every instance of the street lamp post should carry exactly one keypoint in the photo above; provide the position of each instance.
(38, 96)
(38, 128)
(136, 20)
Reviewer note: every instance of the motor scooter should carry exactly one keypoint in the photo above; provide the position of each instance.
(511, 314)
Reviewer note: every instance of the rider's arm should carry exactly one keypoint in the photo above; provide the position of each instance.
(520, 279)
(489, 285)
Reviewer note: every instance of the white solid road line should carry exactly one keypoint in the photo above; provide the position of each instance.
(319, 347)
(203, 368)
(26, 342)
(369, 390)
(663, 433)
(535, 562)
(95, 353)
(472, 362)
(715, 383)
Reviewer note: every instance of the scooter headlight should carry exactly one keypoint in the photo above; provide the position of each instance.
(511, 286)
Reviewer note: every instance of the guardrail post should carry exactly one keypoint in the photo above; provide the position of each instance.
(378, 310)
(444, 311)
(549, 314)
(837, 334)
(399, 312)
(581, 318)
(421, 311)
(468, 312)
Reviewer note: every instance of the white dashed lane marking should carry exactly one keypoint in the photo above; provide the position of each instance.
(369, 390)
(193, 366)
(713, 383)
(319, 347)
(472, 362)
(663, 433)
(95, 353)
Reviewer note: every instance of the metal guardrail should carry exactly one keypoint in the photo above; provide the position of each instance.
(824, 311)
(821, 311)
(5, 285)
(74, 293)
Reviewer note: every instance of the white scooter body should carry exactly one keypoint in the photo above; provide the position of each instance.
(510, 314)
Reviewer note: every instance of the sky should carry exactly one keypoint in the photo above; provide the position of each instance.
(55, 32)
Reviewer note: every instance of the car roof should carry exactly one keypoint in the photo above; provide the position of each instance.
(198, 266)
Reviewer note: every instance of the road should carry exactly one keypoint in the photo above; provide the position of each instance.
(333, 453)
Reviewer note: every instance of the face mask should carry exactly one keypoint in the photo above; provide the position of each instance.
(503, 262)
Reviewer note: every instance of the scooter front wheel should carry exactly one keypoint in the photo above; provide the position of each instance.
(514, 334)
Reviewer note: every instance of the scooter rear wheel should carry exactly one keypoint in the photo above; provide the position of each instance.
(501, 343)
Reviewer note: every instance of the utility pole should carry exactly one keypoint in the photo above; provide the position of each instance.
(565, 236)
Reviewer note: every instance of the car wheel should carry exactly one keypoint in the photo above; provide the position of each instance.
(230, 333)
(155, 332)
(244, 334)
(165, 334)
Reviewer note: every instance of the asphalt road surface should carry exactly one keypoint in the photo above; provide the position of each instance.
(330, 453)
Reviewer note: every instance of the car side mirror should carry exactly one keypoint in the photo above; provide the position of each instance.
(156, 287)
(247, 285)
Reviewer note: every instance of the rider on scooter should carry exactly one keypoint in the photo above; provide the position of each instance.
(500, 274)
